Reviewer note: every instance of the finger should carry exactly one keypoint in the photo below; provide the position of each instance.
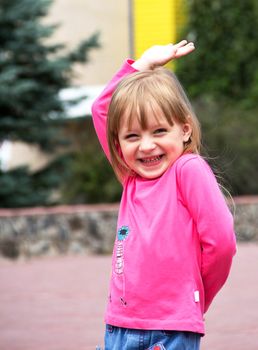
(184, 46)
(185, 50)
(180, 44)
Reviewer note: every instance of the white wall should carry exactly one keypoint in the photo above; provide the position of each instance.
(79, 19)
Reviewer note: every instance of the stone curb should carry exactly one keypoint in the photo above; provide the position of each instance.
(82, 229)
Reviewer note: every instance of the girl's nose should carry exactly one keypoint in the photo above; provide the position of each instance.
(147, 144)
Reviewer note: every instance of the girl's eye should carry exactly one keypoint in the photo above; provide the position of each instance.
(160, 131)
(130, 136)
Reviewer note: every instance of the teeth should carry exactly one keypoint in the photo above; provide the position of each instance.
(150, 160)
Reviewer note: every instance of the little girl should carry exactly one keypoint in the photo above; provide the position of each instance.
(175, 238)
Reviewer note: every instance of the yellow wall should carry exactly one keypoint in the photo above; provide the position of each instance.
(155, 22)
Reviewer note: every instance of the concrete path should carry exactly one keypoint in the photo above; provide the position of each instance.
(57, 303)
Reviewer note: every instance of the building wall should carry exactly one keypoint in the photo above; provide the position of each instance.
(155, 22)
(21, 154)
(81, 18)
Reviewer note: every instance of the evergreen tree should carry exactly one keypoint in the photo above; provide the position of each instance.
(32, 72)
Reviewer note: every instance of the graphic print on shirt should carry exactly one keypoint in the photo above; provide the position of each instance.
(121, 236)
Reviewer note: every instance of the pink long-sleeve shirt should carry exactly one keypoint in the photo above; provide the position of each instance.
(174, 243)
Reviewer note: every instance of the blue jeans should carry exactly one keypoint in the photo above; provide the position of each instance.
(117, 338)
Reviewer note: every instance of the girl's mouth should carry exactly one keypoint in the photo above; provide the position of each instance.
(151, 160)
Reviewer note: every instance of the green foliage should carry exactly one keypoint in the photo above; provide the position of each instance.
(90, 177)
(225, 61)
(230, 139)
(20, 188)
(32, 72)
(221, 77)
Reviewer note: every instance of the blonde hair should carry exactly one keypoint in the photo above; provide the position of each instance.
(136, 92)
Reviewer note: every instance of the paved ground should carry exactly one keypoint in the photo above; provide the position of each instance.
(57, 303)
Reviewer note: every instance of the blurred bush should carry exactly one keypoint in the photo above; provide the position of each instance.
(88, 177)
(230, 138)
(221, 77)
(91, 178)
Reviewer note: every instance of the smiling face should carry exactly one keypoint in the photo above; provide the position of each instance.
(150, 124)
(151, 150)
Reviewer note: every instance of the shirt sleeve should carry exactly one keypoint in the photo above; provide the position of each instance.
(214, 222)
(101, 104)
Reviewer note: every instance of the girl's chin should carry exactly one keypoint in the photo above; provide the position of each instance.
(151, 173)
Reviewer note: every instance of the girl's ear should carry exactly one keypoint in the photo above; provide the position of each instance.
(187, 132)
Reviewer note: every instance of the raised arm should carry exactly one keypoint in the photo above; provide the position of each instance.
(101, 104)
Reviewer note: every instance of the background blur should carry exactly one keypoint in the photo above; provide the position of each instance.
(78, 20)
(46, 133)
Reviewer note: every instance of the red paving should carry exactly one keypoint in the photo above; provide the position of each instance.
(57, 303)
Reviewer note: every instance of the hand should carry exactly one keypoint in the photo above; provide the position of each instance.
(159, 55)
